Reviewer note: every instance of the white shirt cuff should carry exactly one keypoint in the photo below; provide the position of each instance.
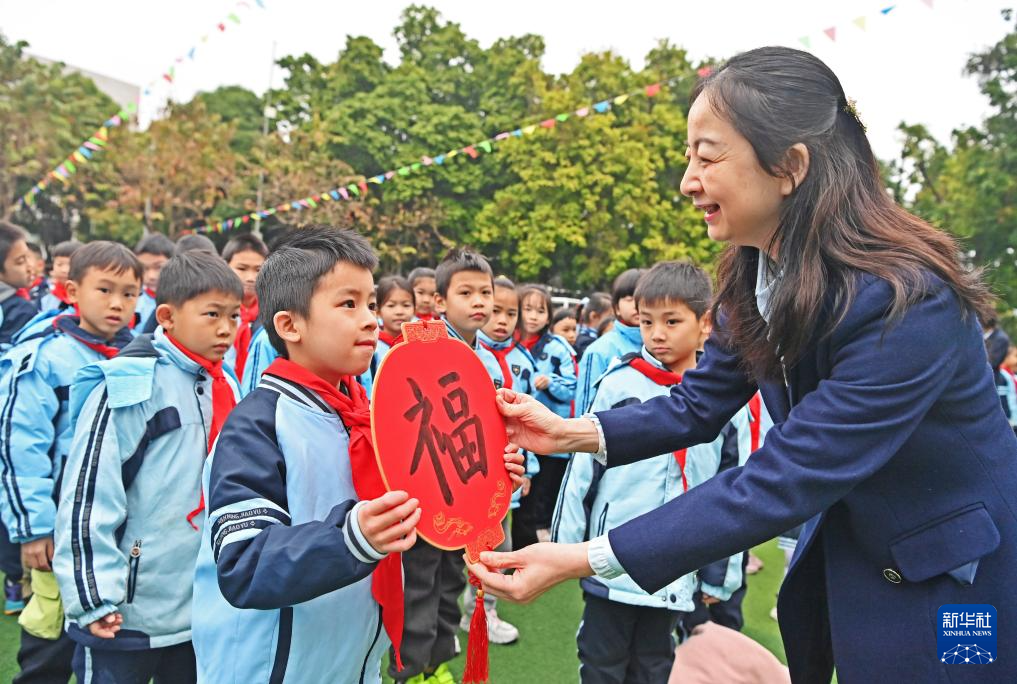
(602, 559)
(356, 542)
(601, 455)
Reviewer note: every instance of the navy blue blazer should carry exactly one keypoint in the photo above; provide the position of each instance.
(890, 441)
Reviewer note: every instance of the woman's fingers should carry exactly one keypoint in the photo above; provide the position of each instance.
(494, 582)
(502, 560)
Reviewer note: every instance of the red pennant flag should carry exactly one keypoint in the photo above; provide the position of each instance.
(831, 33)
(222, 27)
(363, 186)
(652, 90)
(471, 151)
(928, 2)
(549, 123)
(705, 71)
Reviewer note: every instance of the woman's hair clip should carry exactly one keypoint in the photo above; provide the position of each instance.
(851, 107)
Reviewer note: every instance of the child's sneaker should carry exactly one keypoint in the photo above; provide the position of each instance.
(14, 599)
(499, 631)
(442, 676)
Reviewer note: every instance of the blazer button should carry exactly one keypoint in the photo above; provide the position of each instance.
(892, 576)
(200, 390)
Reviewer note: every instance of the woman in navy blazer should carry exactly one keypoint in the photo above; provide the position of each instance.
(860, 327)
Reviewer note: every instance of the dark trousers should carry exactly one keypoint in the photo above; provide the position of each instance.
(619, 643)
(537, 508)
(168, 665)
(433, 581)
(44, 661)
(10, 556)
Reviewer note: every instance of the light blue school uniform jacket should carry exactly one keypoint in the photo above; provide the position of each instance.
(521, 366)
(35, 425)
(144, 310)
(599, 356)
(123, 541)
(556, 359)
(282, 588)
(594, 500)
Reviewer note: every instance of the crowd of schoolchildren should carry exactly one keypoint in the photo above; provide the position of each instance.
(189, 482)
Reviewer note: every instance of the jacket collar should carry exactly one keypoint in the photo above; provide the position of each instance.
(487, 341)
(455, 334)
(71, 325)
(629, 332)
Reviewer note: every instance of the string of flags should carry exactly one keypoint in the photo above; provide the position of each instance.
(353, 191)
(85, 151)
(99, 140)
(860, 22)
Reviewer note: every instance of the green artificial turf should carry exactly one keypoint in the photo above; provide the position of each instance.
(546, 650)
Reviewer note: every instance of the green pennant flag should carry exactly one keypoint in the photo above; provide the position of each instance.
(404, 171)
(417, 166)
(69, 165)
(562, 117)
(486, 146)
(354, 189)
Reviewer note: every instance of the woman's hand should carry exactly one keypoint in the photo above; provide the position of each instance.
(537, 568)
(533, 426)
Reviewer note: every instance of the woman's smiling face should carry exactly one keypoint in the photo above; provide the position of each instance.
(740, 200)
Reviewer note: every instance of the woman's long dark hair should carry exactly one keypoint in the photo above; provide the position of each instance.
(840, 220)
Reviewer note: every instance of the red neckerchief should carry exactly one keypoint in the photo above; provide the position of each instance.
(756, 412)
(60, 292)
(354, 410)
(427, 317)
(665, 378)
(248, 315)
(501, 355)
(389, 339)
(107, 350)
(531, 342)
(150, 292)
(23, 293)
(223, 401)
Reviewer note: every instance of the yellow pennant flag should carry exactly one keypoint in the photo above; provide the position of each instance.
(860, 23)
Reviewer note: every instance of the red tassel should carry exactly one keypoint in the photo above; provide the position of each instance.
(476, 648)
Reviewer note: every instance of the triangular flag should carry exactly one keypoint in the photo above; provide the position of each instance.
(704, 71)
(621, 99)
(518, 132)
(335, 195)
(887, 10)
(354, 189)
(584, 111)
(652, 90)
(78, 157)
(222, 27)
(548, 123)
(87, 153)
(389, 175)
(416, 166)
(804, 40)
(928, 2)
(190, 53)
(602, 107)
(204, 38)
(860, 23)
(261, 3)
(562, 118)
(363, 186)
(311, 203)
(503, 136)
(439, 160)
(379, 179)
(246, 219)
(234, 18)
(486, 146)
(296, 205)
(472, 151)
(69, 165)
(451, 153)
(528, 130)
(831, 33)
(169, 79)
(426, 161)
(404, 171)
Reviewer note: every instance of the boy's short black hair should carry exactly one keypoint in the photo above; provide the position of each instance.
(393, 283)
(562, 314)
(157, 244)
(625, 285)
(504, 282)
(418, 273)
(66, 248)
(194, 273)
(9, 234)
(459, 260)
(35, 248)
(104, 255)
(244, 243)
(596, 303)
(291, 274)
(676, 281)
(195, 243)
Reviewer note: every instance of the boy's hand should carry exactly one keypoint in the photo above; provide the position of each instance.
(106, 627)
(710, 600)
(38, 554)
(542, 382)
(514, 464)
(390, 522)
(525, 489)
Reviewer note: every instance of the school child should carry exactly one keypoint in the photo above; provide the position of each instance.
(15, 274)
(131, 507)
(593, 311)
(565, 325)
(245, 254)
(422, 283)
(464, 297)
(498, 336)
(38, 287)
(153, 252)
(104, 279)
(555, 382)
(623, 339)
(298, 575)
(56, 299)
(195, 242)
(627, 634)
(395, 306)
